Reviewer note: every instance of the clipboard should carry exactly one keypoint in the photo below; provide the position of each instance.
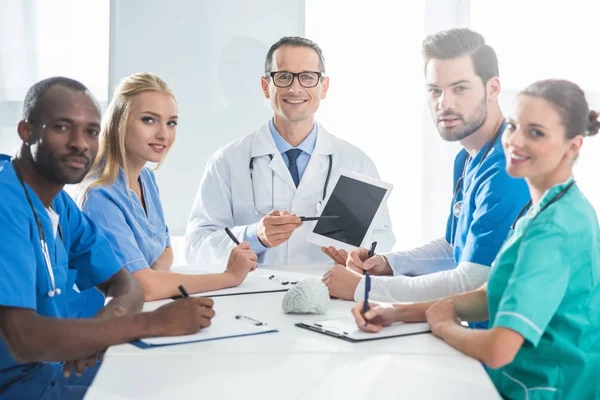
(346, 329)
(221, 327)
(259, 281)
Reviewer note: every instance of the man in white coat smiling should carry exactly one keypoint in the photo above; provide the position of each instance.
(259, 185)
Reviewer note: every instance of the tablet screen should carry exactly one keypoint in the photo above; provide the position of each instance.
(356, 204)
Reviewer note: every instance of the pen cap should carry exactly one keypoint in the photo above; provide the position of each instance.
(309, 296)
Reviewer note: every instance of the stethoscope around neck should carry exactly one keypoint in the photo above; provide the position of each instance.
(457, 205)
(54, 291)
(553, 200)
(251, 167)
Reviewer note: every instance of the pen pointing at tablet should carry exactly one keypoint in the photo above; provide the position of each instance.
(322, 217)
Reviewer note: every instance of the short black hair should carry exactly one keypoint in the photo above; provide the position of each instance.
(295, 41)
(34, 99)
(453, 43)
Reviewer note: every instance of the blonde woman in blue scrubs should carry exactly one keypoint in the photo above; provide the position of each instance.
(543, 292)
(121, 195)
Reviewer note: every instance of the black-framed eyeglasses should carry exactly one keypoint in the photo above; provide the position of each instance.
(307, 79)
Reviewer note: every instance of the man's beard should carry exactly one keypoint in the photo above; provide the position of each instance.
(470, 125)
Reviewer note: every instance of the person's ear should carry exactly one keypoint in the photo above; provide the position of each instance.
(493, 88)
(264, 82)
(26, 133)
(325, 87)
(575, 146)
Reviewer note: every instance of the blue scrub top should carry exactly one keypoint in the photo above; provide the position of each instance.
(25, 281)
(136, 238)
(491, 200)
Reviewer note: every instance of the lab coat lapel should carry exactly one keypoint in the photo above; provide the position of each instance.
(264, 145)
(316, 170)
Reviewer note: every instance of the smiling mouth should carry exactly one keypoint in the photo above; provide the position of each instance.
(158, 147)
(514, 158)
(294, 101)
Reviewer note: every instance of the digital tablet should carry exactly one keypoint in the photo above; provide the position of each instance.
(357, 200)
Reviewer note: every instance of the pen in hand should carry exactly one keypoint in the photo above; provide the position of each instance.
(370, 254)
(368, 281)
(231, 236)
(367, 289)
(322, 217)
(183, 292)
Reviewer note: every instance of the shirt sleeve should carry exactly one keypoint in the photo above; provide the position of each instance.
(90, 252)
(498, 200)
(18, 263)
(109, 217)
(463, 278)
(168, 236)
(434, 256)
(251, 237)
(538, 283)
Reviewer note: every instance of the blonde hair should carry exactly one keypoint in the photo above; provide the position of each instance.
(111, 154)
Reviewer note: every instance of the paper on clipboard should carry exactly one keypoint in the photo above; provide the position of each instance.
(346, 329)
(221, 327)
(259, 281)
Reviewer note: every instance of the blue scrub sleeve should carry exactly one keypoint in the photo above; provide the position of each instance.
(109, 217)
(18, 263)
(90, 252)
(498, 200)
(538, 283)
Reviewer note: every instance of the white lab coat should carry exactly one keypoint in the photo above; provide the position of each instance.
(224, 198)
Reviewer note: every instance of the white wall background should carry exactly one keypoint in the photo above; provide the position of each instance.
(39, 39)
(212, 55)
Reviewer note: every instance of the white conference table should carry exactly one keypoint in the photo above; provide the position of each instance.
(293, 363)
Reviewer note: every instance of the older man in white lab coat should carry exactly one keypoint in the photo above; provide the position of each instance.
(259, 185)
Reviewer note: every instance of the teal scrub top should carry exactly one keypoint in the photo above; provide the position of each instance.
(544, 285)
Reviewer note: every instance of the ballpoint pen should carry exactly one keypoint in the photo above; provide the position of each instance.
(370, 254)
(231, 236)
(367, 289)
(183, 292)
(322, 217)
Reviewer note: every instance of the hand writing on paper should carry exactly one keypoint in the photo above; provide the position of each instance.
(378, 316)
(277, 227)
(184, 317)
(341, 282)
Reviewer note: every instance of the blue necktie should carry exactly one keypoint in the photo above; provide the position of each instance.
(293, 165)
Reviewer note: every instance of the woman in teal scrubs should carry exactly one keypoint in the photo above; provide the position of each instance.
(543, 292)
